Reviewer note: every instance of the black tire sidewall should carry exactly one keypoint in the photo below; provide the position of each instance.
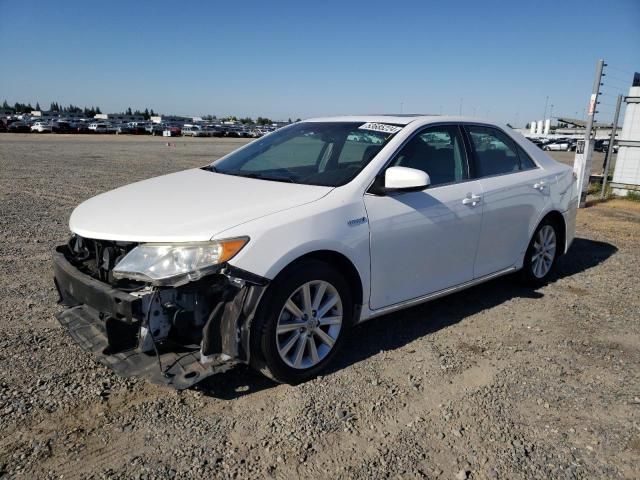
(264, 352)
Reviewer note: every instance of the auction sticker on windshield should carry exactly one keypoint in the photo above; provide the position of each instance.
(380, 127)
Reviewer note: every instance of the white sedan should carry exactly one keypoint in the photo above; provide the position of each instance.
(41, 127)
(269, 255)
(560, 145)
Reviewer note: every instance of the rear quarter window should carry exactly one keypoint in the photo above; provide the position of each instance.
(526, 163)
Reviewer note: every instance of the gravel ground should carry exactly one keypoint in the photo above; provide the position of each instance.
(494, 382)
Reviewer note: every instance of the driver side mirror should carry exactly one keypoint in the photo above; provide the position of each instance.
(401, 179)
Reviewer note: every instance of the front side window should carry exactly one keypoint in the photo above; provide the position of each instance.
(495, 153)
(438, 151)
(312, 153)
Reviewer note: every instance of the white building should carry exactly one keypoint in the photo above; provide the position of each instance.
(118, 117)
(45, 115)
(626, 176)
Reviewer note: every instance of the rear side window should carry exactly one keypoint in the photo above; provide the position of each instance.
(495, 153)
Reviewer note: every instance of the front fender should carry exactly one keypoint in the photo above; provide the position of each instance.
(281, 238)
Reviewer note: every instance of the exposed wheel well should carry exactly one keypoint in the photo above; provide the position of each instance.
(558, 220)
(342, 264)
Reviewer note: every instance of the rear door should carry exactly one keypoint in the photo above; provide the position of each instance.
(515, 192)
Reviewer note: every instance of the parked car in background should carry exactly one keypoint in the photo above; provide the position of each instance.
(61, 126)
(603, 146)
(195, 131)
(123, 129)
(214, 131)
(18, 127)
(559, 145)
(269, 255)
(230, 132)
(102, 127)
(154, 129)
(172, 132)
(137, 128)
(41, 127)
(82, 127)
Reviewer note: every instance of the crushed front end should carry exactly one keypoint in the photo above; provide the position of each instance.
(173, 335)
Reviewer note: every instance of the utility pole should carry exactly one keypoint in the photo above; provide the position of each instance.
(614, 127)
(584, 148)
(546, 102)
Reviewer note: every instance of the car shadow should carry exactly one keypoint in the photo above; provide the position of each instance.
(395, 330)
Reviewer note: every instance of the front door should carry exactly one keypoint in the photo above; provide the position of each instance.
(423, 242)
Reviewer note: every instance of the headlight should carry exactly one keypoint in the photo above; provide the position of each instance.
(176, 264)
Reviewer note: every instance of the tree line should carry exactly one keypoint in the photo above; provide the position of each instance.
(147, 113)
(54, 107)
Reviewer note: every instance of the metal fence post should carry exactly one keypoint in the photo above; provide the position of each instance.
(582, 163)
(614, 127)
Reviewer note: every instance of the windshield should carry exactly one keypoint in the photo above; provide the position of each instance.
(312, 153)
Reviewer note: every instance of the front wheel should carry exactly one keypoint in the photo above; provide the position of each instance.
(301, 323)
(541, 255)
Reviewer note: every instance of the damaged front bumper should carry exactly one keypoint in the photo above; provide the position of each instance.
(171, 336)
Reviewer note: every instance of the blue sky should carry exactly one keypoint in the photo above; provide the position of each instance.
(498, 59)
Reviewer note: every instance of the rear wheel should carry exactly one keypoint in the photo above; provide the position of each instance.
(541, 255)
(302, 322)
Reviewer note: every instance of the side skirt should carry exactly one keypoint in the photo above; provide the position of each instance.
(440, 293)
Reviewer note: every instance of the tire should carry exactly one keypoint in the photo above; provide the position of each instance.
(278, 335)
(535, 270)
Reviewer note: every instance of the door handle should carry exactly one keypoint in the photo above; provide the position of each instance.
(539, 185)
(472, 200)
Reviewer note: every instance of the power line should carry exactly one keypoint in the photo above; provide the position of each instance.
(607, 94)
(622, 69)
(615, 89)
(619, 79)
(620, 84)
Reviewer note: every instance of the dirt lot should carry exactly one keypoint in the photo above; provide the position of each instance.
(495, 382)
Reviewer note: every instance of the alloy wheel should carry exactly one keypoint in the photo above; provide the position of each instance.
(544, 251)
(309, 324)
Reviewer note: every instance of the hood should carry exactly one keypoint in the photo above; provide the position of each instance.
(189, 206)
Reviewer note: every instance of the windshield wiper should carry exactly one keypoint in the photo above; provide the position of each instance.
(211, 168)
(263, 177)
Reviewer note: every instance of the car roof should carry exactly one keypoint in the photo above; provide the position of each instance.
(400, 119)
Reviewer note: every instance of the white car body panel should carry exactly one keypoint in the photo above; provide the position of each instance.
(510, 212)
(318, 226)
(405, 248)
(188, 206)
(422, 242)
